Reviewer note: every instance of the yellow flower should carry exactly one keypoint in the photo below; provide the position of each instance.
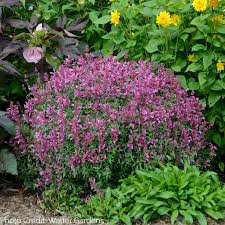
(213, 3)
(218, 19)
(191, 57)
(220, 65)
(163, 19)
(175, 19)
(115, 17)
(200, 5)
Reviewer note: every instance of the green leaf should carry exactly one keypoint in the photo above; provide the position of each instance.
(122, 54)
(213, 98)
(214, 214)
(202, 78)
(174, 216)
(7, 124)
(179, 65)
(198, 47)
(189, 30)
(221, 166)
(183, 81)
(201, 219)
(53, 61)
(103, 20)
(192, 84)
(167, 195)
(152, 45)
(207, 59)
(217, 86)
(220, 29)
(93, 15)
(8, 162)
(194, 67)
(126, 219)
(187, 216)
(108, 194)
(163, 210)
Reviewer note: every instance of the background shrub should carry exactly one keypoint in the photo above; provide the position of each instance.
(96, 120)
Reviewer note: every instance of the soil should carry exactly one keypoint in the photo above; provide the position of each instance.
(18, 207)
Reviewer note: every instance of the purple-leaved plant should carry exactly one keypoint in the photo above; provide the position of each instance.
(98, 119)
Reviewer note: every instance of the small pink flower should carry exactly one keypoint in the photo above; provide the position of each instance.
(33, 54)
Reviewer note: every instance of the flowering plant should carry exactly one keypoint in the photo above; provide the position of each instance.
(188, 36)
(96, 120)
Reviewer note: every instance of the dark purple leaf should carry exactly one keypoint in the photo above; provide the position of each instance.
(18, 23)
(33, 22)
(9, 2)
(61, 21)
(71, 51)
(68, 34)
(68, 41)
(77, 25)
(8, 50)
(8, 67)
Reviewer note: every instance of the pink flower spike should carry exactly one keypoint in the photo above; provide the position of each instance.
(33, 54)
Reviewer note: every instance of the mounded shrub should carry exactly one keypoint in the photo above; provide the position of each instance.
(96, 120)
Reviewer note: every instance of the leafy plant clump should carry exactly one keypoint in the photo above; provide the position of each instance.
(96, 120)
(184, 194)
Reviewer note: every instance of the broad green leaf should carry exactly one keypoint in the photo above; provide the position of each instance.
(174, 216)
(189, 30)
(194, 67)
(122, 53)
(53, 61)
(221, 166)
(192, 84)
(8, 162)
(214, 214)
(126, 219)
(7, 124)
(179, 65)
(183, 81)
(198, 47)
(207, 59)
(163, 210)
(107, 194)
(217, 86)
(202, 78)
(152, 45)
(167, 195)
(103, 20)
(93, 15)
(201, 219)
(213, 98)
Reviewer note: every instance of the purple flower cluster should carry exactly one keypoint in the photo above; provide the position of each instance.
(94, 106)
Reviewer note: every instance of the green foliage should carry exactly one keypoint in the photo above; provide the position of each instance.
(200, 35)
(8, 163)
(185, 193)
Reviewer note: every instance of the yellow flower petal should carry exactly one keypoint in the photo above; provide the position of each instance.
(220, 65)
(115, 17)
(200, 5)
(163, 19)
